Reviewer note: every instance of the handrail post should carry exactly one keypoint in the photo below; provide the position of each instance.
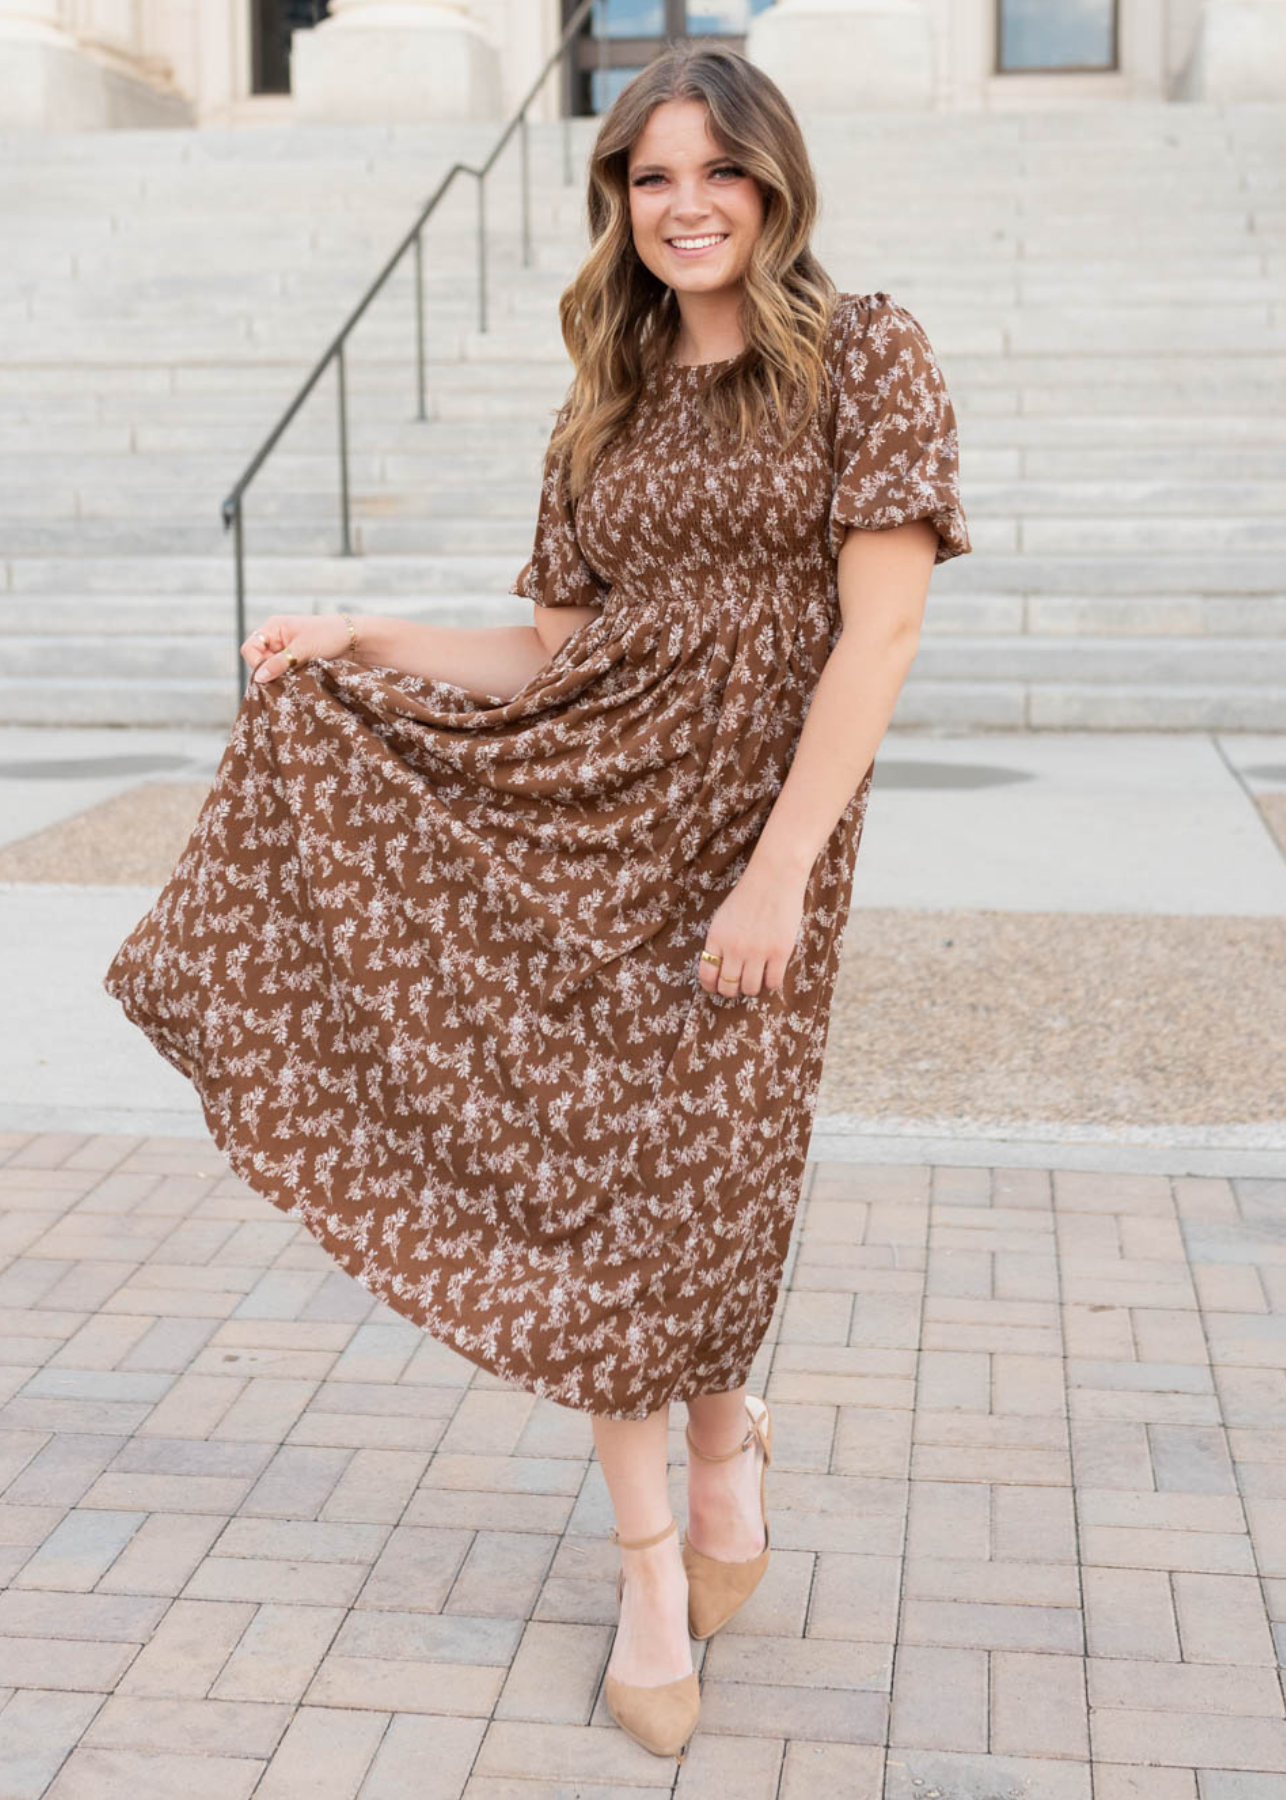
(482, 253)
(238, 552)
(565, 90)
(343, 451)
(526, 192)
(419, 325)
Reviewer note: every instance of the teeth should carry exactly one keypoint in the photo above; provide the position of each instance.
(699, 243)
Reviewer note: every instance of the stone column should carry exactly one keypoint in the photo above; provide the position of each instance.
(395, 62)
(1239, 53)
(53, 78)
(838, 55)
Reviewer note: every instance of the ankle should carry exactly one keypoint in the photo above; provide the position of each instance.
(704, 1455)
(654, 1559)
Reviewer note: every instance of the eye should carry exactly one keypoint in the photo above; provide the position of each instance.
(723, 169)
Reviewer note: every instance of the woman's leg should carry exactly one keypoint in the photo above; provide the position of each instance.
(652, 1644)
(725, 1518)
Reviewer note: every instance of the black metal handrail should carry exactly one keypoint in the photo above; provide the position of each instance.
(334, 352)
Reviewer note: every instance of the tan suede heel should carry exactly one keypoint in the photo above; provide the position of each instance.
(661, 1717)
(716, 1588)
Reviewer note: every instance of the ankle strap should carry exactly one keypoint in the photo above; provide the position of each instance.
(725, 1455)
(642, 1543)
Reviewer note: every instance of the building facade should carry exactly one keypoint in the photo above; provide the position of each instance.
(67, 64)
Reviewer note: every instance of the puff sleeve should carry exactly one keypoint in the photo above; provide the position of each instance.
(556, 573)
(896, 456)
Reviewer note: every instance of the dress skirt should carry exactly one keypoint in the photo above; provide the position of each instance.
(430, 956)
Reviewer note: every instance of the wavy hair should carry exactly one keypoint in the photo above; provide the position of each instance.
(620, 322)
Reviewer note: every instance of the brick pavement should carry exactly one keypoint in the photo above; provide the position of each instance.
(261, 1537)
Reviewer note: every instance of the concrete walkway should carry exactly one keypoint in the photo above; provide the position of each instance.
(1066, 943)
(259, 1536)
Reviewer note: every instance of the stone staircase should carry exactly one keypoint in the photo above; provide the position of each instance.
(1106, 290)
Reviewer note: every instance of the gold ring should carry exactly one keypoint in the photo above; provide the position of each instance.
(290, 656)
(727, 978)
(709, 956)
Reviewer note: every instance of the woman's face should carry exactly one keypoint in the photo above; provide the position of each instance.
(683, 186)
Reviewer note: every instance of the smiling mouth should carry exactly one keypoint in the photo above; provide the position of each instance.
(706, 240)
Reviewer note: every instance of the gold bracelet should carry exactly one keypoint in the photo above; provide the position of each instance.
(352, 634)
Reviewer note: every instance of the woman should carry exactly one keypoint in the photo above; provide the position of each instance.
(503, 958)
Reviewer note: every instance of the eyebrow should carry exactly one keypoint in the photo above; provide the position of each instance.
(659, 168)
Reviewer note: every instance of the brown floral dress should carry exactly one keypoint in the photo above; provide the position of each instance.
(429, 957)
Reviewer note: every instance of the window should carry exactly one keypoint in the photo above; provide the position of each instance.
(628, 18)
(621, 37)
(722, 16)
(1056, 34)
(271, 23)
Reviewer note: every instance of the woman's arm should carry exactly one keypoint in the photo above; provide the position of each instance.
(555, 624)
(488, 659)
(496, 660)
(883, 581)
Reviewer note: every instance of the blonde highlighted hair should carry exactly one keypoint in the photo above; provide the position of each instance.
(620, 322)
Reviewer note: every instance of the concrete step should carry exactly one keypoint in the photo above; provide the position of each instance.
(30, 481)
(196, 655)
(936, 706)
(313, 535)
(1172, 536)
(174, 700)
(999, 534)
(943, 657)
(963, 280)
(1167, 513)
(1009, 555)
(1232, 574)
(404, 448)
(194, 485)
(213, 615)
(237, 442)
(305, 574)
(922, 705)
(987, 422)
(385, 392)
(1122, 415)
(146, 500)
(983, 615)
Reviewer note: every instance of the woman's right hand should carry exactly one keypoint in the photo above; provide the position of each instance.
(304, 634)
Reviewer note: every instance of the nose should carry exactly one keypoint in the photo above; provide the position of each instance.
(690, 223)
(688, 206)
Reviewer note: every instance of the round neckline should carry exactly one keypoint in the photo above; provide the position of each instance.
(719, 362)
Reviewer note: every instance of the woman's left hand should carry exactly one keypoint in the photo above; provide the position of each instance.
(305, 634)
(753, 932)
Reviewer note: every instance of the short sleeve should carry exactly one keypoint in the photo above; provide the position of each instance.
(896, 454)
(556, 573)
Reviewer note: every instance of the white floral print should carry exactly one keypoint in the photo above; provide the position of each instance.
(429, 958)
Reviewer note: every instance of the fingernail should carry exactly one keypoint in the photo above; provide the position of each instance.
(261, 673)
